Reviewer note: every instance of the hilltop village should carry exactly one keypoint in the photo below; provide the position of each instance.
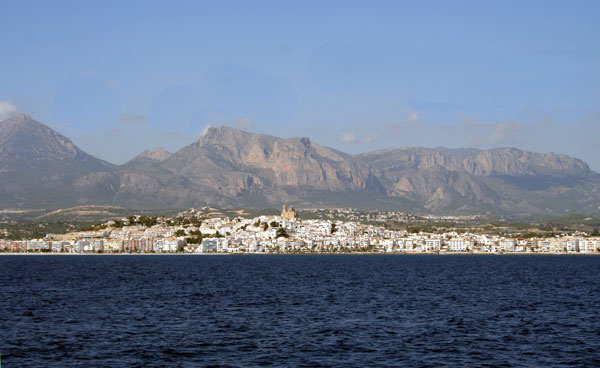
(193, 231)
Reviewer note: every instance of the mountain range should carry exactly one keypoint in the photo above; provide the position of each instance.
(226, 167)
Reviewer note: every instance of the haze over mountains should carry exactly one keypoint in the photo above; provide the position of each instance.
(226, 167)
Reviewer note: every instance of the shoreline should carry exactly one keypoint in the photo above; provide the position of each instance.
(300, 254)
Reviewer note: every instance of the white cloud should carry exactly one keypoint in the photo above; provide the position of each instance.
(7, 109)
(578, 139)
(370, 138)
(351, 137)
(133, 118)
(506, 132)
(348, 137)
(205, 130)
(114, 83)
(245, 123)
(402, 128)
(466, 134)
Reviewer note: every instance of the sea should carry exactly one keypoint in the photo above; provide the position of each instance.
(299, 311)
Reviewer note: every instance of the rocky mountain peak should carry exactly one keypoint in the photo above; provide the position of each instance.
(158, 154)
(222, 132)
(21, 137)
(20, 118)
(17, 123)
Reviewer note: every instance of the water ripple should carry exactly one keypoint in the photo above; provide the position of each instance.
(300, 311)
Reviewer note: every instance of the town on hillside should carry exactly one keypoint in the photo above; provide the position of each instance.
(195, 232)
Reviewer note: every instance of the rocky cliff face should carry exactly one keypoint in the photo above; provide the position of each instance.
(233, 168)
(512, 161)
(499, 161)
(467, 179)
(270, 161)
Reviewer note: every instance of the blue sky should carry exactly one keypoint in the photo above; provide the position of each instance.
(120, 77)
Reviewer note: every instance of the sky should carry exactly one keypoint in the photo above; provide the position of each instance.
(119, 77)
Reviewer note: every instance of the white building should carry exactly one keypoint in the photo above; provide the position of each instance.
(457, 245)
(433, 244)
(507, 245)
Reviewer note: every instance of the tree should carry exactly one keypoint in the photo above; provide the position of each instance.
(333, 228)
(147, 221)
(281, 233)
(179, 232)
(194, 240)
(274, 224)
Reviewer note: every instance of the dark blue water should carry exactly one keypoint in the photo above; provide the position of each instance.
(367, 310)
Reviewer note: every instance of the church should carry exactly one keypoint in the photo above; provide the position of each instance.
(288, 214)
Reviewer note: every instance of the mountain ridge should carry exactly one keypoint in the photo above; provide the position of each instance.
(233, 168)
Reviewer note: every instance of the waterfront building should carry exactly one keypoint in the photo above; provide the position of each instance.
(507, 245)
(433, 244)
(457, 245)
